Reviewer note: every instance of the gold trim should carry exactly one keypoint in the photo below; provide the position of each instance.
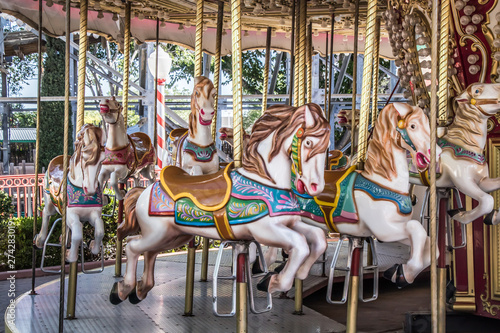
(492, 309)
(494, 231)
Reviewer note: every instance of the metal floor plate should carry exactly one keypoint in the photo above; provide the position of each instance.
(162, 310)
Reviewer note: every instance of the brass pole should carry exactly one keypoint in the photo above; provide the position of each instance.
(302, 52)
(198, 48)
(354, 74)
(266, 70)
(72, 281)
(327, 90)
(241, 295)
(126, 64)
(443, 62)
(376, 63)
(432, 167)
(237, 89)
(65, 168)
(292, 92)
(330, 71)
(309, 63)
(82, 62)
(218, 43)
(119, 242)
(37, 144)
(352, 305)
(188, 302)
(367, 81)
(299, 286)
(296, 75)
(204, 259)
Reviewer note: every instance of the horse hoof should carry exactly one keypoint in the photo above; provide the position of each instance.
(263, 285)
(414, 200)
(113, 295)
(389, 273)
(450, 292)
(453, 212)
(400, 278)
(488, 219)
(256, 269)
(133, 298)
(280, 267)
(34, 242)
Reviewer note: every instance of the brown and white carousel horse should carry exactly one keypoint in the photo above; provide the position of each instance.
(125, 155)
(194, 149)
(251, 202)
(84, 199)
(463, 164)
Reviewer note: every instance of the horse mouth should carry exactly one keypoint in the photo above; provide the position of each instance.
(342, 119)
(205, 122)
(301, 188)
(422, 161)
(103, 108)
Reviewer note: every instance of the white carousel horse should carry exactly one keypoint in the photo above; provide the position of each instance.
(84, 202)
(125, 155)
(193, 149)
(251, 202)
(462, 163)
(375, 201)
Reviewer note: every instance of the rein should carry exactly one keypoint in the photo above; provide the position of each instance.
(478, 102)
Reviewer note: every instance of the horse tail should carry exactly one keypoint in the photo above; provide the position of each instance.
(129, 226)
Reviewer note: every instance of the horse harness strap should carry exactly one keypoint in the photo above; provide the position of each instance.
(478, 102)
(401, 128)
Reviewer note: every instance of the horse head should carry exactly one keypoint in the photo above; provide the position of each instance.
(88, 156)
(485, 97)
(110, 110)
(286, 136)
(202, 104)
(345, 118)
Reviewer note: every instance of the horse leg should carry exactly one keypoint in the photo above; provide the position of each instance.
(103, 177)
(196, 170)
(73, 222)
(489, 184)
(485, 206)
(98, 224)
(120, 194)
(317, 246)
(48, 211)
(420, 250)
(149, 173)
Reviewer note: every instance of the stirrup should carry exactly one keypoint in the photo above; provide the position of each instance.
(44, 249)
(82, 259)
(239, 247)
(463, 229)
(373, 268)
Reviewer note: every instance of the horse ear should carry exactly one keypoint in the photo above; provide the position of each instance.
(462, 98)
(403, 109)
(309, 119)
(197, 80)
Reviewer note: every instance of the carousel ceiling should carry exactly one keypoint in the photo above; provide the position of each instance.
(177, 17)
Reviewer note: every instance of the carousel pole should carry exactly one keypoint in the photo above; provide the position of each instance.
(241, 295)
(330, 71)
(188, 303)
(218, 43)
(354, 74)
(296, 63)
(327, 90)
(80, 113)
(302, 52)
(67, 106)
(442, 109)
(352, 300)
(376, 63)
(126, 71)
(435, 320)
(159, 150)
(309, 63)
(367, 80)
(266, 70)
(293, 92)
(37, 145)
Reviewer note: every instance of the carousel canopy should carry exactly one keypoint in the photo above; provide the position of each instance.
(105, 17)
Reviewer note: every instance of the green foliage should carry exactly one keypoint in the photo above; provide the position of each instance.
(182, 64)
(6, 206)
(23, 119)
(52, 113)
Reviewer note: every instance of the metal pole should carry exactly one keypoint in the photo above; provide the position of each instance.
(443, 62)
(327, 89)
(376, 63)
(218, 43)
(299, 287)
(126, 64)
(82, 63)
(198, 49)
(302, 52)
(354, 74)
(157, 44)
(204, 259)
(119, 242)
(296, 58)
(352, 301)
(309, 63)
(241, 295)
(432, 166)
(265, 85)
(293, 92)
(330, 71)
(188, 303)
(72, 281)
(237, 89)
(367, 81)
(37, 144)
(65, 169)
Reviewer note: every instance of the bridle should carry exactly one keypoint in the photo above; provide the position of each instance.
(295, 151)
(109, 111)
(403, 132)
(478, 102)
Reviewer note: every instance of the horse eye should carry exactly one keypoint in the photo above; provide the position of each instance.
(412, 126)
(477, 91)
(308, 143)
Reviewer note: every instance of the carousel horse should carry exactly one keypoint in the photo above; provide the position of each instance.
(463, 164)
(253, 202)
(375, 201)
(125, 155)
(194, 149)
(84, 199)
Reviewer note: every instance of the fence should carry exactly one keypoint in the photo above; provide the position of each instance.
(22, 190)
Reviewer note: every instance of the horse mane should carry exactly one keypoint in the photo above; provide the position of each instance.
(198, 92)
(93, 149)
(281, 121)
(380, 148)
(466, 125)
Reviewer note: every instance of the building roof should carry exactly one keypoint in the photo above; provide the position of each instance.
(21, 135)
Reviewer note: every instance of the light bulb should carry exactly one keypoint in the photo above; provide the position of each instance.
(100, 15)
(115, 17)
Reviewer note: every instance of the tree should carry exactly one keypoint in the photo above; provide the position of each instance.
(52, 113)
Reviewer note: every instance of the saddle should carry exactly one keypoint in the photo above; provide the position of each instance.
(55, 172)
(337, 160)
(177, 133)
(209, 192)
(142, 145)
(175, 139)
(332, 177)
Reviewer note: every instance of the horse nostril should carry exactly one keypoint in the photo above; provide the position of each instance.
(212, 112)
(314, 186)
(202, 112)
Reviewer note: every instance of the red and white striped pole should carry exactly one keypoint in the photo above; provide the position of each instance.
(160, 121)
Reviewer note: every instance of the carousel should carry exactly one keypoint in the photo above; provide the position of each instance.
(285, 186)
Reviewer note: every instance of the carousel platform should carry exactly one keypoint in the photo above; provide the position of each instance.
(162, 310)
